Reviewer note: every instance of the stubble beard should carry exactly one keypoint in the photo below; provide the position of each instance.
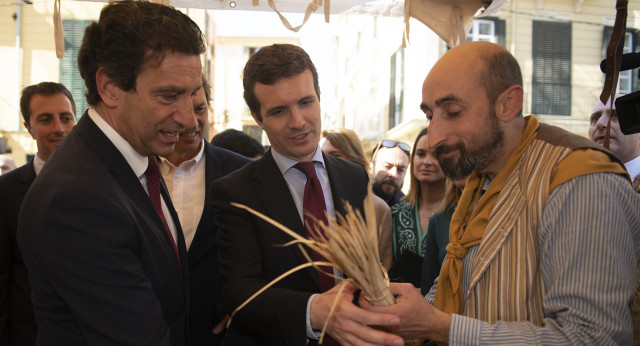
(475, 159)
(380, 192)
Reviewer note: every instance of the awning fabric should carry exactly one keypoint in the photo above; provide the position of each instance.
(449, 19)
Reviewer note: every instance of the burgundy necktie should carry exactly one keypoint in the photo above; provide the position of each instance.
(153, 185)
(313, 204)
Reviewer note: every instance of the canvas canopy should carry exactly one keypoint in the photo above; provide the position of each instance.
(449, 19)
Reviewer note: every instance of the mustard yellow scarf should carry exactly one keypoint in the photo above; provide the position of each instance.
(474, 208)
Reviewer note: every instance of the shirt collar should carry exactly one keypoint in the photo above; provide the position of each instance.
(633, 167)
(284, 163)
(193, 162)
(38, 163)
(137, 162)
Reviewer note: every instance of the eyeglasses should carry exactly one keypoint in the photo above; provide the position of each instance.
(387, 143)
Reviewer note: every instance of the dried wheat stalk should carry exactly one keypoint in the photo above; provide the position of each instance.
(349, 243)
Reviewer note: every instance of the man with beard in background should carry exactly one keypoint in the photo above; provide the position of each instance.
(389, 163)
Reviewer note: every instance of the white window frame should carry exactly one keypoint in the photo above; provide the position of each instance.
(475, 35)
(625, 78)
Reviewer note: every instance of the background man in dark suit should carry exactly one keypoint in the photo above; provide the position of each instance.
(49, 111)
(107, 265)
(282, 92)
(188, 173)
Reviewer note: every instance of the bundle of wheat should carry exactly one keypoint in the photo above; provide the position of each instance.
(349, 244)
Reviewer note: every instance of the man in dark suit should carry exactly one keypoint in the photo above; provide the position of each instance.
(282, 92)
(100, 237)
(49, 111)
(188, 172)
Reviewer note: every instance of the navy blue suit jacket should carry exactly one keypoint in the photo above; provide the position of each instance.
(249, 255)
(205, 285)
(17, 321)
(101, 264)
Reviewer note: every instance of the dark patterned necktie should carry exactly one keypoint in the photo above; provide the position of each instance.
(314, 207)
(153, 185)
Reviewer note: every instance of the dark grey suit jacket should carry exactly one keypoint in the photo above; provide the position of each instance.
(249, 255)
(205, 285)
(17, 322)
(101, 264)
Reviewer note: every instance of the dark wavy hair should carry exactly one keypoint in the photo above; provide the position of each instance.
(270, 64)
(43, 88)
(130, 33)
(238, 142)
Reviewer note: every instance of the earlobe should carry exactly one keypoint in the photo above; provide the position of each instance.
(107, 88)
(509, 103)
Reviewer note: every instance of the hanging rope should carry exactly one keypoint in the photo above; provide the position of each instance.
(614, 59)
(58, 30)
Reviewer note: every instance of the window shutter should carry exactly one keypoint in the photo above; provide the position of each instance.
(551, 85)
(69, 73)
(396, 89)
(635, 33)
(501, 32)
(635, 36)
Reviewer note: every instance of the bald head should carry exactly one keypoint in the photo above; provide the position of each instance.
(473, 99)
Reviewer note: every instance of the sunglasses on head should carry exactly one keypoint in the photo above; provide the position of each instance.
(387, 143)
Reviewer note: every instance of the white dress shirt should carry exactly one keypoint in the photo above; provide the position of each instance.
(38, 163)
(633, 167)
(296, 180)
(137, 162)
(186, 184)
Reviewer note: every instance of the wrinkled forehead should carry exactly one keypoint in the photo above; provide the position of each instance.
(393, 155)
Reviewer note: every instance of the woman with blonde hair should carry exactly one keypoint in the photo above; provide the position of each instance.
(345, 144)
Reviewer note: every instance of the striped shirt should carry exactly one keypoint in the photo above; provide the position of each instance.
(589, 249)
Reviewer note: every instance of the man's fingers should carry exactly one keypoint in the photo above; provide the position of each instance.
(373, 337)
(219, 328)
(371, 318)
(400, 289)
(351, 332)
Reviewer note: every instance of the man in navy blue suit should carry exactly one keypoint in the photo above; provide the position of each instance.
(188, 173)
(283, 94)
(105, 252)
(49, 115)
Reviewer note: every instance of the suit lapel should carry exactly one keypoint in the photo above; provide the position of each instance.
(122, 173)
(273, 192)
(212, 172)
(180, 242)
(341, 186)
(28, 174)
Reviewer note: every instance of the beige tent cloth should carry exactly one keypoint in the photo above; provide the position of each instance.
(449, 19)
(58, 31)
(313, 5)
